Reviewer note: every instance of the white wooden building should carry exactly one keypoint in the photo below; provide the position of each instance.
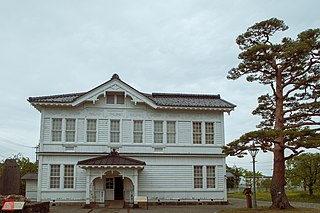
(114, 142)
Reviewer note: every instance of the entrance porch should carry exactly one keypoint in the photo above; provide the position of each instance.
(111, 177)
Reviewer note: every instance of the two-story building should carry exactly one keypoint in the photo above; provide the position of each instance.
(114, 142)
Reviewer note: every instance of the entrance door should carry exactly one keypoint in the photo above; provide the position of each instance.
(118, 188)
(109, 188)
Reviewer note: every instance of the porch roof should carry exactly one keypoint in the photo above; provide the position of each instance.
(112, 160)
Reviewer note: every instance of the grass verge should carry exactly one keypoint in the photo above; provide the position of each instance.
(268, 210)
(293, 196)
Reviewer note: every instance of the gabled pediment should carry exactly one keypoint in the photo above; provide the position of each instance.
(114, 85)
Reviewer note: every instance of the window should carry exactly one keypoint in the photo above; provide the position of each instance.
(91, 130)
(109, 183)
(70, 130)
(197, 171)
(68, 176)
(158, 131)
(211, 171)
(171, 131)
(209, 132)
(57, 129)
(115, 131)
(137, 131)
(115, 98)
(55, 176)
(196, 132)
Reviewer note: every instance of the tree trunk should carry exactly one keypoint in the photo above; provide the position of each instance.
(310, 190)
(278, 195)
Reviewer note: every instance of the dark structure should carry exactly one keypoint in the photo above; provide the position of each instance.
(10, 178)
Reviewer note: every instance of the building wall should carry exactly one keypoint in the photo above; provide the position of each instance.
(31, 189)
(163, 177)
(168, 173)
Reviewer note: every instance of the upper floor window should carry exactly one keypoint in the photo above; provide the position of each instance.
(211, 176)
(68, 176)
(197, 132)
(171, 131)
(56, 129)
(158, 131)
(137, 131)
(115, 98)
(209, 132)
(91, 130)
(70, 130)
(198, 176)
(115, 131)
(55, 176)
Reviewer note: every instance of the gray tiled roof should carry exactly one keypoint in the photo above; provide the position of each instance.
(30, 176)
(160, 99)
(63, 98)
(112, 159)
(190, 100)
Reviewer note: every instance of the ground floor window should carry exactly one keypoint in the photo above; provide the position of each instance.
(61, 176)
(68, 176)
(198, 182)
(204, 177)
(211, 174)
(55, 176)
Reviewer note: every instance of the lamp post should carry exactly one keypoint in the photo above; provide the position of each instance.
(253, 152)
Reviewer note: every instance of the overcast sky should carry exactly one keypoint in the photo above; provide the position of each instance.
(54, 47)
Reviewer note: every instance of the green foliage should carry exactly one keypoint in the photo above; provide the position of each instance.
(237, 172)
(305, 170)
(291, 68)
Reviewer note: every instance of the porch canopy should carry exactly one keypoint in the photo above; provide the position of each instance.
(112, 160)
(99, 166)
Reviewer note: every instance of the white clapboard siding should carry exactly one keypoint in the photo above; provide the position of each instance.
(148, 131)
(46, 129)
(80, 179)
(220, 177)
(184, 132)
(45, 176)
(103, 131)
(80, 129)
(166, 177)
(126, 131)
(218, 133)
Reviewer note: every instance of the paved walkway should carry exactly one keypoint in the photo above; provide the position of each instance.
(234, 203)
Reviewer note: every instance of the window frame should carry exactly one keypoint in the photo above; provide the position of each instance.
(55, 176)
(173, 134)
(209, 136)
(91, 132)
(115, 98)
(210, 176)
(68, 131)
(138, 132)
(158, 132)
(197, 132)
(67, 178)
(198, 177)
(115, 132)
(54, 130)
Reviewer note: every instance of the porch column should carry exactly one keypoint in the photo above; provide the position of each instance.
(135, 184)
(88, 188)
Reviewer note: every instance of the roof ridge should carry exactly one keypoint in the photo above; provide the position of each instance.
(185, 94)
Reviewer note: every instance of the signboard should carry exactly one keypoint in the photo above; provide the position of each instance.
(11, 205)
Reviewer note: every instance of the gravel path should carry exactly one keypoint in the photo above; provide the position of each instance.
(234, 203)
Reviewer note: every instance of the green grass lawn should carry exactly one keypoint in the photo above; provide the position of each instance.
(268, 210)
(292, 196)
